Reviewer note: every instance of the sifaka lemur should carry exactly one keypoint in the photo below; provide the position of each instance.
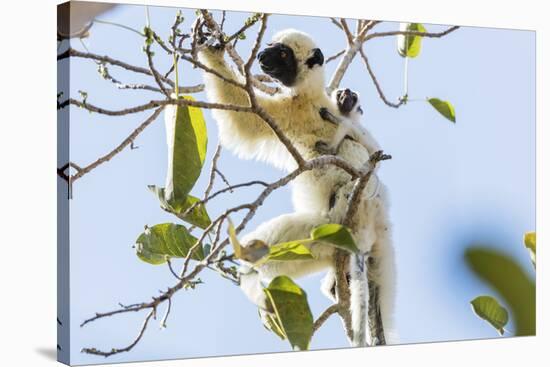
(319, 196)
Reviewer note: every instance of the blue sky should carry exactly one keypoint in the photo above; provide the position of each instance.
(450, 186)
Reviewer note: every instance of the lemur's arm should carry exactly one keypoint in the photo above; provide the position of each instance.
(243, 132)
(346, 129)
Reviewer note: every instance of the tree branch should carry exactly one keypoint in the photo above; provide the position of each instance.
(411, 33)
(113, 351)
(324, 316)
(377, 85)
(118, 149)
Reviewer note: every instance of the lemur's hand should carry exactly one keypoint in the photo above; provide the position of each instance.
(323, 112)
(327, 116)
(323, 148)
(207, 38)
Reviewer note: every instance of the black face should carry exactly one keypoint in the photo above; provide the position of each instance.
(278, 61)
(346, 100)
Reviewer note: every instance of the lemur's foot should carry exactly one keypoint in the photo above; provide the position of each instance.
(323, 148)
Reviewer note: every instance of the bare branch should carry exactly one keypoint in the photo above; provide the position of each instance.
(346, 60)
(336, 23)
(412, 33)
(199, 64)
(241, 30)
(346, 30)
(118, 149)
(171, 268)
(71, 52)
(123, 26)
(125, 349)
(124, 309)
(324, 316)
(377, 85)
(167, 313)
(239, 62)
(335, 56)
(355, 197)
(224, 179)
(212, 175)
(156, 103)
(154, 72)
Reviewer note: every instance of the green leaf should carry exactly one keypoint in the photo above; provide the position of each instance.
(157, 243)
(530, 240)
(408, 45)
(488, 309)
(237, 247)
(515, 288)
(443, 107)
(198, 216)
(335, 234)
(289, 251)
(187, 141)
(292, 311)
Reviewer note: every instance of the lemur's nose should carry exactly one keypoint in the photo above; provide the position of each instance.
(261, 55)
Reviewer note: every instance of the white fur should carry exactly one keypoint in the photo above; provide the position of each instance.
(296, 110)
(351, 125)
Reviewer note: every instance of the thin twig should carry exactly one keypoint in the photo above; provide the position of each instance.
(324, 316)
(355, 197)
(335, 56)
(241, 30)
(167, 313)
(346, 30)
(118, 149)
(113, 351)
(412, 33)
(71, 52)
(377, 85)
(212, 173)
(153, 104)
(154, 72)
(100, 21)
(224, 179)
(171, 268)
(336, 23)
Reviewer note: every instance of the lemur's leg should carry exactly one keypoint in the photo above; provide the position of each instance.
(284, 228)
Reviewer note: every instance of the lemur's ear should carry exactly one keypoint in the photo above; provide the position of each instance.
(316, 59)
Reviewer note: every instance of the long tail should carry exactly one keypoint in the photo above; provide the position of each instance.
(382, 277)
(358, 302)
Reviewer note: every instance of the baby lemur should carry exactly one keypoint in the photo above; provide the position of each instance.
(348, 123)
